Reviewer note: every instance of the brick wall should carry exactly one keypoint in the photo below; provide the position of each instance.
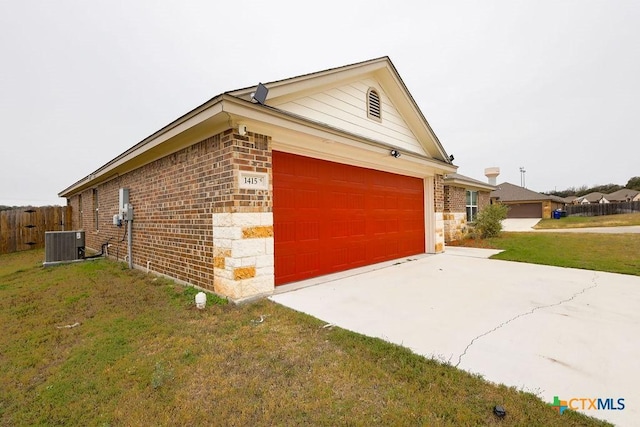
(484, 199)
(438, 186)
(174, 199)
(83, 211)
(455, 199)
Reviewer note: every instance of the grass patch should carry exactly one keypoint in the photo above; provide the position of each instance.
(615, 253)
(590, 221)
(144, 354)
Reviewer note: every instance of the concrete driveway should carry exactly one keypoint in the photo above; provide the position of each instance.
(547, 330)
(519, 224)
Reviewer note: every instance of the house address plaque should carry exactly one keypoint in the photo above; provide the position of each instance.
(253, 180)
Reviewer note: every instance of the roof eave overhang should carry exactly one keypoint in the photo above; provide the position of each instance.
(124, 161)
(223, 112)
(469, 184)
(521, 201)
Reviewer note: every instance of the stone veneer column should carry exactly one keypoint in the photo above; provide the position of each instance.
(243, 254)
(438, 187)
(243, 221)
(455, 225)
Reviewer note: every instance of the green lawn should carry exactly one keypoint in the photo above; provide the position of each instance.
(142, 354)
(590, 221)
(616, 253)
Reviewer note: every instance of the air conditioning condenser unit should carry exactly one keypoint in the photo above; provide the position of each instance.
(61, 246)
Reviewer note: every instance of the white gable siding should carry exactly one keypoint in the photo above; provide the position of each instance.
(345, 108)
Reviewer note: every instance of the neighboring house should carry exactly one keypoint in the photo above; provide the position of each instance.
(525, 203)
(569, 200)
(623, 195)
(327, 172)
(464, 197)
(595, 197)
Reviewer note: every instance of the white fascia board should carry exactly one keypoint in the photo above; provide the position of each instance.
(469, 184)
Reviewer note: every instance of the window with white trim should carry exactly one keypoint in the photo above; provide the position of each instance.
(374, 106)
(472, 205)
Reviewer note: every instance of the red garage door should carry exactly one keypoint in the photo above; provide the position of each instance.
(331, 217)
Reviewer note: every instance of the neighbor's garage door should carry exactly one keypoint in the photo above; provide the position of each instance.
(330, 217)
(525, 210)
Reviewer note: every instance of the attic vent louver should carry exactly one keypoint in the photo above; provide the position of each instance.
(374, 109)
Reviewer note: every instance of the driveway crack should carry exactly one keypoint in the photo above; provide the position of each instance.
(533, 310)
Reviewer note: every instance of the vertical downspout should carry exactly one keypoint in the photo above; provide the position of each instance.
(129, 241)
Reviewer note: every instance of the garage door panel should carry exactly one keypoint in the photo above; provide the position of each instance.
(356, 201)
(340, 199)
(525, 210)
(292, 266)
(286, 268)
(357, 227)
(304, 168)
(303, 261)
(391, 202)
(339, 257)
(357, 254)
(393, 225)
(374, 201)
(307, 230)
(409, 242)
(307, 263)
(344, 216)
(287, 196)
(414, 226)
(374, 251)
(339, 228)
(286, 231)
(347, 252)
(307, 198)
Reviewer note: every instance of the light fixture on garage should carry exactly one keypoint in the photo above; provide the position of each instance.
(395, 153)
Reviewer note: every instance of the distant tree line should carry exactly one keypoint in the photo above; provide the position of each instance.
(8, 208)
(632, 184)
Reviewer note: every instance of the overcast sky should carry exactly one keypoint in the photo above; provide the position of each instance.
(551, 86)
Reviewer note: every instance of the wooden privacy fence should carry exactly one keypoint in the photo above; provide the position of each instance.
(23, 228)
(603, 209)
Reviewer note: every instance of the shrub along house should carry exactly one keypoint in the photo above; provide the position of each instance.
(277, 183)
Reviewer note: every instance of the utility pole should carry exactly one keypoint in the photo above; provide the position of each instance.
(522, 180)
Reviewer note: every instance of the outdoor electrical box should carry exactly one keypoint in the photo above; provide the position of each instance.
(123, 199)
(125, 210)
